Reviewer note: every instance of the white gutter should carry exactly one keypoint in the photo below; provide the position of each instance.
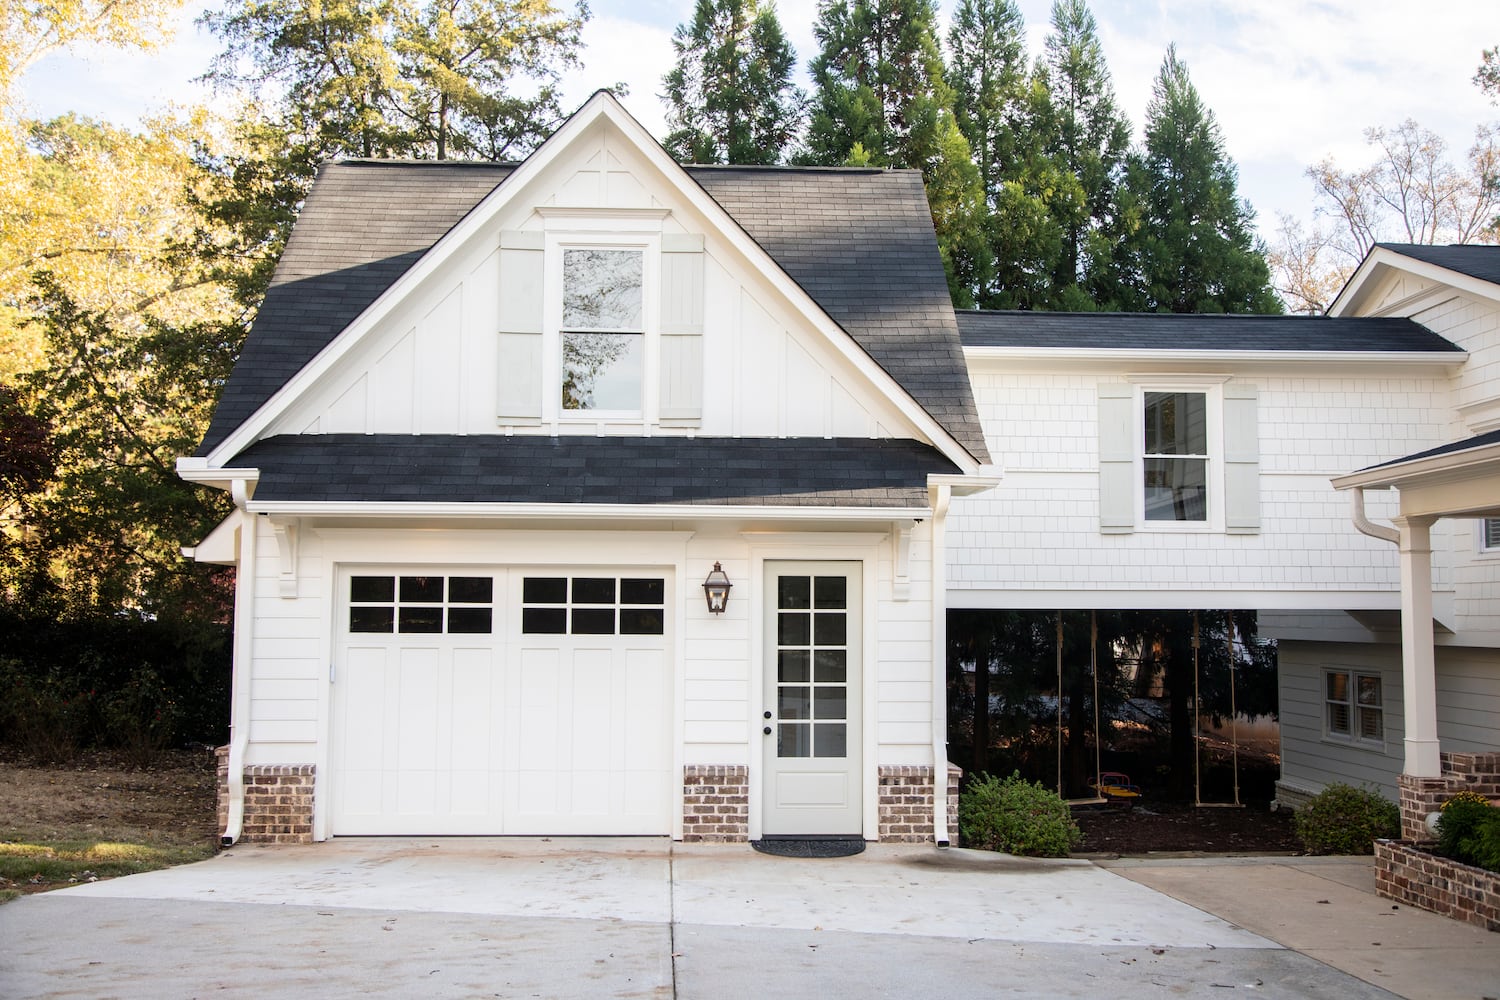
(582, 511)
(941, 494)
(244, 642)
(1290, 358)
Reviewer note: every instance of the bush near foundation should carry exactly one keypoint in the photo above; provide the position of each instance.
(1469, 831)
(1342, 819)
(1017, 817)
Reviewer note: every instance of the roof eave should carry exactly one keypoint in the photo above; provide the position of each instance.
(1289, 358)
(1395, 474)
(581, 511)
(1381, 256)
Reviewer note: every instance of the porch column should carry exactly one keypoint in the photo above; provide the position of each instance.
(1418, 684)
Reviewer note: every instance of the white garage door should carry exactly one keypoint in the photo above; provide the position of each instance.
(502, 702)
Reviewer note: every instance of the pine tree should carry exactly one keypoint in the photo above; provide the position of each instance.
(998, 104)
(1194, 248)
(730, 98)
(882, 101)
(1089, 138)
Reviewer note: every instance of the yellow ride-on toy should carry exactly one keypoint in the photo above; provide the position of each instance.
(1116, 788)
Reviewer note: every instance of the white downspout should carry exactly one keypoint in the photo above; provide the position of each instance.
(941, 495)
(1367, 526)
(239, 699)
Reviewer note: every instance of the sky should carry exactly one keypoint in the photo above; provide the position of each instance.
(1290, 81)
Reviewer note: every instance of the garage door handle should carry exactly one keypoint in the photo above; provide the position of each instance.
(767, 730)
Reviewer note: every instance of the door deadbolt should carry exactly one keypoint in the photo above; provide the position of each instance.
(767, 730)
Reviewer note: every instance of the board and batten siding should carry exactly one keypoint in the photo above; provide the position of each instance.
(466, 350)
(1040, 530)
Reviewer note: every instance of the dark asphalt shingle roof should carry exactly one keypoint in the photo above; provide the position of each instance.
(1195, 332)
(1475, 260)
(860, 242)
(1478, 441)
(796, 472)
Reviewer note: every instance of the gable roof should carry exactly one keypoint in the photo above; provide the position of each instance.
(1476, 260)
(784, 472)
(859, 242)
(1452, 448)
(1196, 332)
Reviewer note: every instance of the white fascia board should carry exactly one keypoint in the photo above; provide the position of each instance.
(1146, 599)
(580, 511)
(1450, 465)
(1116, 357)
(985, 479)
(1380, 257)
(601, 105)
(197, 470)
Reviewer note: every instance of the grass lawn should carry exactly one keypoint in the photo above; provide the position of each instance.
(98, 817)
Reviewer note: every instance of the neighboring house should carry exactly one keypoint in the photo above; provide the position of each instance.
(497, 426)
(496, 431)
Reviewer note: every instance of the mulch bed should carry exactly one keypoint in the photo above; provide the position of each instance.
(1182, 827)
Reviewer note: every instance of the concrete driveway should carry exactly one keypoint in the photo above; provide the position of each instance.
(635, 918)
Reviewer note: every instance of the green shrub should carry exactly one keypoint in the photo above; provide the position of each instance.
(1469, 831)
(1342, 819)
(1017, 817)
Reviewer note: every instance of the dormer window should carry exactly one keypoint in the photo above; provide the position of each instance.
(603, 330)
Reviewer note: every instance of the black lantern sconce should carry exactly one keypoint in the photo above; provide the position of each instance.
(716, 589)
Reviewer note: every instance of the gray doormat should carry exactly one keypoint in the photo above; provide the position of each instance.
(810, 847)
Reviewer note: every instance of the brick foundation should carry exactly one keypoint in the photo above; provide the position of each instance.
(1414, 877)
(906, 803)
(715, 803)
(1474, 772)
(278, 801)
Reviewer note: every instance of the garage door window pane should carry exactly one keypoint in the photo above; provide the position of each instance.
(642, 621)
(471, 590)
(421, 590)
(545, 590)
(593, 590)
(469, 621)
(372, 620)
(372, 589)
(643, 591)
(421, 620)
(594, 621)
(544, 621)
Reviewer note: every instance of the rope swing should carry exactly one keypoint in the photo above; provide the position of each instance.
(1093, 669)
(1234, 739)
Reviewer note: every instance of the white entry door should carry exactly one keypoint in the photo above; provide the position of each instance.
(502, 701)
(814, 674)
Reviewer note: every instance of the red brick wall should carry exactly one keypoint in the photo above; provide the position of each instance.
(1472, 772)
(278, 801)
(906, 804)
(1416, 878)
(715, 803)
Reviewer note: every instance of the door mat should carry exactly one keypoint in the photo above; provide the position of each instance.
(810, 847)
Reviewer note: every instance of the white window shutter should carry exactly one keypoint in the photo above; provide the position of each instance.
(519, 371)
(1241, 459)
(1119, 436)
(682, 329)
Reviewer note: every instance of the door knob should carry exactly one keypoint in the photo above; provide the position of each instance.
(768, 714)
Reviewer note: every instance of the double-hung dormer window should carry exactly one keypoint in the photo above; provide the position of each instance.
(601, 321)
(603, 335)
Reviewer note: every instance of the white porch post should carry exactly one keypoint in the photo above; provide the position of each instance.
(1418, 683)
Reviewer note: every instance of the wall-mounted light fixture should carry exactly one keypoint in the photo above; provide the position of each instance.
(716, 589)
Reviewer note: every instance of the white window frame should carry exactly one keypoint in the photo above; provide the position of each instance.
(1353, 737)
(1487, 538)
(594, 230)
(1211, 388)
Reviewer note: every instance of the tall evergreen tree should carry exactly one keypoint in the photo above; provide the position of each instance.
(1089, 137)
(882, 101)
(1002, 109)
(730, 98)
(1193, 249)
